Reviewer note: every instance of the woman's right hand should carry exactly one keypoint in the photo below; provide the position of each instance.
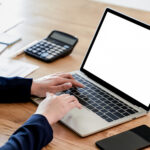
(55, 107)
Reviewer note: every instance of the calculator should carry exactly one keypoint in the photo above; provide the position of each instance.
(58, 44)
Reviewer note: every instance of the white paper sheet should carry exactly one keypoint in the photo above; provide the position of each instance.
(11, 68)
(9, 39)
(15, 52)
(2, 47)
(8, 24)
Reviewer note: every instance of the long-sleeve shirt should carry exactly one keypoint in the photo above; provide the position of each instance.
(36, 132)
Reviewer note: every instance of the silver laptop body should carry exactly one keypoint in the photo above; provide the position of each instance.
(86, 122)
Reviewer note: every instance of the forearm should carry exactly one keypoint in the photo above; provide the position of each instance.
(15, 89)
(33, 135)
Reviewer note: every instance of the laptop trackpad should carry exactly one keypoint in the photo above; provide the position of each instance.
(84, 122)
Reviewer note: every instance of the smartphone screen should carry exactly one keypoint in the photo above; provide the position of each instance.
(133, 139)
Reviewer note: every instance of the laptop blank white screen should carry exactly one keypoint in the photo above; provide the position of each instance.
(121, 56)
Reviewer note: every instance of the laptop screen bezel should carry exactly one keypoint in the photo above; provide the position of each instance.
(102, 82)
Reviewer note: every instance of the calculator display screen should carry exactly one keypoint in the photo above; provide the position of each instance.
(63, 38)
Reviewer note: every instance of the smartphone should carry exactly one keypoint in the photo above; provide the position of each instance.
(134, 139)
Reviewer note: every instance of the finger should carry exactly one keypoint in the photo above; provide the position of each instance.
(49, 95)
(62, 96)
(75, 104)
(66, 75)
(68, 98)
(76, 83)
(64, 80)
(62, 87)
(58, 73)
(72, 99)
(52, 75)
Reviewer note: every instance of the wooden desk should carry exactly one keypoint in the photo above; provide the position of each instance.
(80, 18)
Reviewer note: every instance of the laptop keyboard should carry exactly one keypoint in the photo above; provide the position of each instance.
(99, 101)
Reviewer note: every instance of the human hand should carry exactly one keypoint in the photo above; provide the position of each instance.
(53, 83)
(55, 107)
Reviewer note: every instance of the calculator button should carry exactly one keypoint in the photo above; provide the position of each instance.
(63, 48)
(49, 52)
(52, 44)
(47, 49)
(38, 49)
(29, 49)
(39, 53)
(58, 53)
(49, 56)
(66, 46)
(55, 54)
(58, 46)
(52, 49)
(34, 51)
(41, 46)
(49, 42)
(43, 51)
(44, 55)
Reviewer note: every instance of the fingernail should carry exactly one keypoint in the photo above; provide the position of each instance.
(68, 83)
(47, 94)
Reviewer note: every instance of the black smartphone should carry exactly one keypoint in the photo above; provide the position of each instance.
(134, 139)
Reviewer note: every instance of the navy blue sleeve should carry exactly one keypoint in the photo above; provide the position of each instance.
(15, 89)
(33, 135)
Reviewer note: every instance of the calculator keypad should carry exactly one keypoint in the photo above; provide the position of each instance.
(47, 51)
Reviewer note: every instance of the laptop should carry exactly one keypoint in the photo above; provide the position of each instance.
(116, 76)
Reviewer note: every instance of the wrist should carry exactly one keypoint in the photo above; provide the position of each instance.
(50, 120)
(33, 88)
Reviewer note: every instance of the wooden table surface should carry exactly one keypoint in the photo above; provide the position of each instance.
(79, 18)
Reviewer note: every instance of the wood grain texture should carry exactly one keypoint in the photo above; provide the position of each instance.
(79, 18)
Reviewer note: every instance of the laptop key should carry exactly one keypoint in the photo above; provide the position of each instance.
(116, 107)
(118, 115)
(99, 107)
(104, 110)
(126, 114)
(83, 103)
(107, 101)
(95, 104)
(95, 110)
(130, 111)
(107, 107)
(124, 107)
(108, 119)
(103, 104)
(112, 105)
(119, 104)
(112, 116)
(112, 110)
(91, 102)
(98, 101)
(121, 111)
(104, 116)
(90, 107)
(99, 113)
